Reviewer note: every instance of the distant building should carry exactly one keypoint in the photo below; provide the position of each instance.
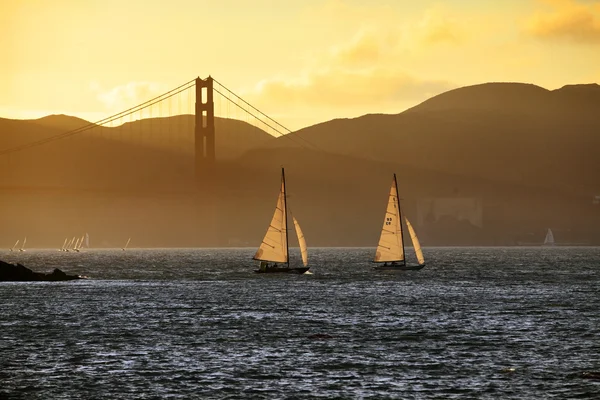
(460, 208)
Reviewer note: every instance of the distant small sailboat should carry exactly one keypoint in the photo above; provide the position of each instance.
(87, 240)
(391, 241)
(71, 244)
(78, 244)
(15, 245)
(126, 244)
(23, 245)
(275, 247)
(64, 245)
(549, 240)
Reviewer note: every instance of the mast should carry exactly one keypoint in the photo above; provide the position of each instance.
(287, 242)
(400, 220)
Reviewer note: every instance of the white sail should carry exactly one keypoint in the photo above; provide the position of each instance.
(64, 244)
(23, 246)
(390, 242)
(127, 244)
(80, 243)
(549, 240)
(16, 244)
(274, 244)
(415, 241)
(302, 242)
(72, 243)
(87, 240)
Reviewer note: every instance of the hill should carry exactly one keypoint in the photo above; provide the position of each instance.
(492, 164)
(148, 152)
(515, 133)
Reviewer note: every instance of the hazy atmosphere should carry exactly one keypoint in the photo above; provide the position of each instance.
(327, 59)
(478, 163)
(301, 199)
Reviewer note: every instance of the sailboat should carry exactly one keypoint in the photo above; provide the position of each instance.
(15, 245)
(71, 243)
(390, 250)
(23, 245)
(549, 240)
(126, 244)
(78, 244)
(64, 245)
(275, 245)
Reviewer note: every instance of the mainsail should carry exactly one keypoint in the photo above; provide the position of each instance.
(390, 247)
(87, 240)
(274, 245)
(549, 240)
(416, 243)
(302, 242)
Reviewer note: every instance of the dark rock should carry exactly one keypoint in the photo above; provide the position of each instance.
(19, 273)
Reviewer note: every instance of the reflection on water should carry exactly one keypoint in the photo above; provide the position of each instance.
(475, 323)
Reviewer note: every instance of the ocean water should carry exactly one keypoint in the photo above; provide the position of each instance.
(485, 323)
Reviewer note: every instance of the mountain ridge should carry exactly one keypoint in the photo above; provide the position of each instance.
(469, 173)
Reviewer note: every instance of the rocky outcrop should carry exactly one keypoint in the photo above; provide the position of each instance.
(20, 273)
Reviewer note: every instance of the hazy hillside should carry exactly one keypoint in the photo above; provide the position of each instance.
(149, 152)
(493, 164)
(509, 132)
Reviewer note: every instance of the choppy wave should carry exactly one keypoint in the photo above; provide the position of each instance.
(198, 323)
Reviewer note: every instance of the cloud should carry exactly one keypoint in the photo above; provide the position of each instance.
(368, 72)
(569, 20)
(438, 26)
(337, 88)
(364, 48)
(128, 95)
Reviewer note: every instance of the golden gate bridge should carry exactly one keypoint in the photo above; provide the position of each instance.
(203, 102)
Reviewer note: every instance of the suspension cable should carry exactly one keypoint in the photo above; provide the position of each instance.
(103, 121)
(289, 131)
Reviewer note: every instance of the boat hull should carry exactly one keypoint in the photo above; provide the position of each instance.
(399, 267)
(282, 270)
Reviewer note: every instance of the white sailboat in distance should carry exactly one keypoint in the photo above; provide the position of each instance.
(78, 244)
(15, 245)
(549, 240)
(23, 245)
(275, 245)
(126, 244)
(71, 243)
(390, 249)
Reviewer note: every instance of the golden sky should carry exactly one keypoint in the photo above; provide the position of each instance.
(301, 61)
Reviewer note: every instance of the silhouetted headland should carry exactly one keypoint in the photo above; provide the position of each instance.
(20, 273)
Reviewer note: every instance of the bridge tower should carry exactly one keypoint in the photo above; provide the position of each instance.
(204, 131)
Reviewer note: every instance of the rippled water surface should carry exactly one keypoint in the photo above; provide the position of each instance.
(198, 323)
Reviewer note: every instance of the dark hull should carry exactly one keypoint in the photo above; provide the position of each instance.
(282, 270)
(399, 267)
